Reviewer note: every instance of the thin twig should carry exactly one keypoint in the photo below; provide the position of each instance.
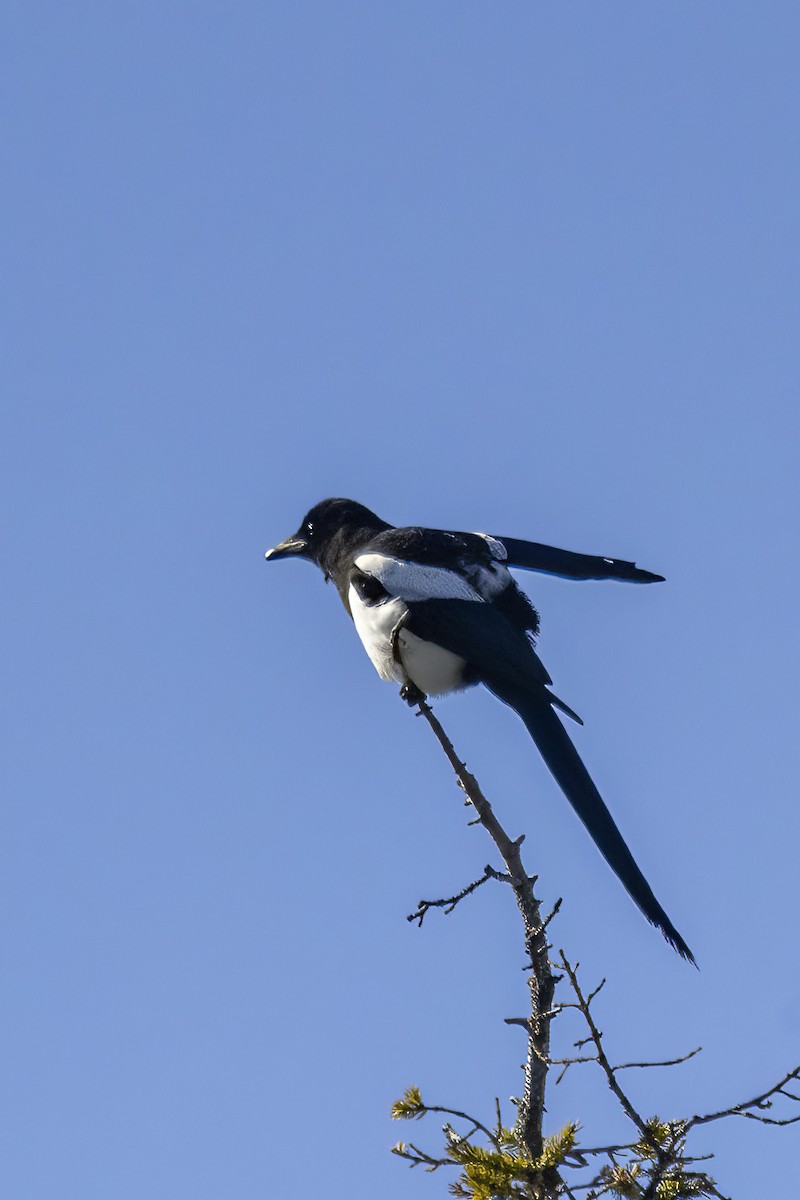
(449, 904)
(596, 1037)
(667, 1062)
(462, 1116)
(762, 1101)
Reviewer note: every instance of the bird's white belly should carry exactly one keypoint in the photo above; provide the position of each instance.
(433, 669)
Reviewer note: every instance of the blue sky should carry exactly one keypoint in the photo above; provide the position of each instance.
(528, 268)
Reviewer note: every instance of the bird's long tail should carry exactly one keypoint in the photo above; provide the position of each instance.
(574, 780)
(533, 556)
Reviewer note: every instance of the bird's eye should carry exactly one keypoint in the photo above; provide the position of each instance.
(310, 526)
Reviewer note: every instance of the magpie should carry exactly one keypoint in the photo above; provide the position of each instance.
(439, 611)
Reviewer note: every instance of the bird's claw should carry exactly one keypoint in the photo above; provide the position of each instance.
(412, 695)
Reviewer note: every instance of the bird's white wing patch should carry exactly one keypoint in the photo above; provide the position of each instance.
(496, 547)
(414, 581)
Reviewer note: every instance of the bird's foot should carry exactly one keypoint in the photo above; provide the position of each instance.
(412, 695)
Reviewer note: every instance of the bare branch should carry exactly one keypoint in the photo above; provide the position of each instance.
(667, 1062)
(596, 992)
(449, 904)
(462, 1116)
(758, 1102)
(587, 1151)
(417, 1157)
(542, 980)
(554, 911)
(596, 1037)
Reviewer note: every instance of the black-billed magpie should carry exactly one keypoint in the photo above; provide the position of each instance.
(439, 611)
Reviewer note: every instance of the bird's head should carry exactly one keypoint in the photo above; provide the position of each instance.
(327, 528)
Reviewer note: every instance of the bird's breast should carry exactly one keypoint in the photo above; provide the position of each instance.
(433, 669)
(375, 624)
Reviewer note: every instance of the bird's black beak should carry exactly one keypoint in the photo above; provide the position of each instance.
(294, 545)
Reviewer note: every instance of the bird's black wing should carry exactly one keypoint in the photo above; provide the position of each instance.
(534, 556)
(432, 547)
(504, 660)
(483, 636)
